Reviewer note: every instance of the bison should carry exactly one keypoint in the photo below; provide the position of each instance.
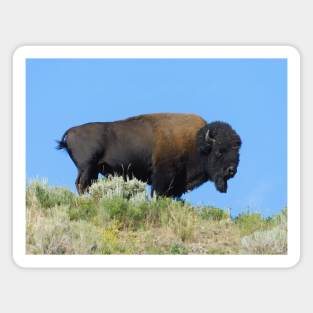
(174, 153)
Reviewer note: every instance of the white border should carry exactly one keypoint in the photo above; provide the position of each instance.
(155, 261)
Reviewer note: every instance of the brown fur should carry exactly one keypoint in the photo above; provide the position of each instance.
(174, 135)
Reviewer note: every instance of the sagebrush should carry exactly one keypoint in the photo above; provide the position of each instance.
(119, 217)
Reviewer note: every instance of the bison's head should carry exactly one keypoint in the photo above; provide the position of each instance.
(219, 144)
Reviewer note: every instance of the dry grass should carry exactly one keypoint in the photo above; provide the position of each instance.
(118, 217)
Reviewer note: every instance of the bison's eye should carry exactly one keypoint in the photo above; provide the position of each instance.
(218, 154)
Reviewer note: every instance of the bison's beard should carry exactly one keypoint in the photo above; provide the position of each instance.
(220, 183)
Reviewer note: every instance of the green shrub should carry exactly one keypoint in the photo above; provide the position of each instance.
(213, 214)
(139, 214)
(82, 208)
(127, 214)
(40, 194)
(177, 248)
(251, 222)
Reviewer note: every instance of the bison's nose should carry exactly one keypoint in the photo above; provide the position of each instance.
(231, 171)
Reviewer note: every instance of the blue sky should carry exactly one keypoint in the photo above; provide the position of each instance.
(250, 94)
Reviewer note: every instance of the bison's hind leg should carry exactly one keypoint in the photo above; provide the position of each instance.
(85, 178)
(77, 182)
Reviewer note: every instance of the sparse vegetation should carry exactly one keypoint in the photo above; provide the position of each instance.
(270, 241)
(118, 217)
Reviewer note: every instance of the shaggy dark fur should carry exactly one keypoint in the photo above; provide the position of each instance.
(174, 153)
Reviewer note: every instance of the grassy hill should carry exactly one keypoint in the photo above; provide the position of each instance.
(118, 217)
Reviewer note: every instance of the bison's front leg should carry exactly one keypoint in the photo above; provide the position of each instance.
(167, 183)
(160, 187)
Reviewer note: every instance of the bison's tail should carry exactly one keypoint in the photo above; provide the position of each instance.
(62, 144)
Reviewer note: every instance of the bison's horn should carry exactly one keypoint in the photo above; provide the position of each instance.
(208, 137)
